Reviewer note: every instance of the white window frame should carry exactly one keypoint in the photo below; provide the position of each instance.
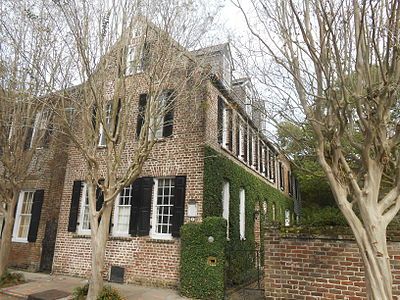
(117, 206)
(102, 133)
(241, 139)
(134, 60)
(154, 220)
(224, 126)
(242, 214)
(225, 205)
(17, 222)
(84, 194)
(157, 118)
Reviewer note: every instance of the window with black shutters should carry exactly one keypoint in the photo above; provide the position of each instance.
(281, 176)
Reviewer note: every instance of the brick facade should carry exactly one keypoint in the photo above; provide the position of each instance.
(299, 267)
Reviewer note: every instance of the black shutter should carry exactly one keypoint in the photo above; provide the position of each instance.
(145, 206)
(141, 113)
(35, 217)
(135, 200)
(179, 205)
(29, 133)
(99, 198)
(119, 104)
(94, 116)
(169, 116)
(230, 129)
(73, 212)
(220, 118)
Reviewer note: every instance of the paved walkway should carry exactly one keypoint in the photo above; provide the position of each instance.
(38, 282)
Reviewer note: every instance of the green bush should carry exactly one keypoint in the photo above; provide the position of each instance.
(10, 279)
(108, 293)
(199, 279)
(322, 217)
(80, 292)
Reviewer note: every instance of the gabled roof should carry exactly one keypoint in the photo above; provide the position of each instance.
(214, 49)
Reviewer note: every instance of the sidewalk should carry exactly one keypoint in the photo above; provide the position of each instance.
(39, 282)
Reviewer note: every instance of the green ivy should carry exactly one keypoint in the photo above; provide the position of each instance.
(240, 253)
(199, 279)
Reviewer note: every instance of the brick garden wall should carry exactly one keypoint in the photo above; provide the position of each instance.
(318, 267)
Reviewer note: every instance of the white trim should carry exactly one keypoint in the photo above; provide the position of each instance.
(153, 233)
(81, 211)
(115, 216)
(242, 214)
(225, 205)
(18, 218)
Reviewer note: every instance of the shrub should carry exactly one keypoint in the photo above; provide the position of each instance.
(321, 217)
(199, 279)
(80, 292)
(108, 293)
(10, 279)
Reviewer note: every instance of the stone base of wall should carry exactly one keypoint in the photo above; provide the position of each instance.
(312, 267)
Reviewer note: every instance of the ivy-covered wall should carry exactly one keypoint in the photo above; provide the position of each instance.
(240, 253)
(203, 259)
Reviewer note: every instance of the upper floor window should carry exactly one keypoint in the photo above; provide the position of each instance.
(225, 205)
(242, 214)
(38, 134)
(107, 123)
(137, 58)
(281, 176)
(161, 115)
(271, 166)
(241, 139)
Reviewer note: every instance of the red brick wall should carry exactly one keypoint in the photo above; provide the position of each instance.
(318, 268)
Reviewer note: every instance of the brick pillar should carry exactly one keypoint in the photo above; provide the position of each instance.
(272, 263)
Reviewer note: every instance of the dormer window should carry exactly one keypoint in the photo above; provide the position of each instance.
(136, 59)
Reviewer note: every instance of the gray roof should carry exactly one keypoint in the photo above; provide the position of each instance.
(210, 49)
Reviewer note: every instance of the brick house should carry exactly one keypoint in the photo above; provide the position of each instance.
(144, 243)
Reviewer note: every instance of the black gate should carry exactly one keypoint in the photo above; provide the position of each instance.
(48, 245)
(244, 274)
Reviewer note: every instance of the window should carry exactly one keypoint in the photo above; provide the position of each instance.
(273, 212)
(271, 166)
(37, 132)
(241, 144)
(287, 217)
(161, 115)
(84, 221)
(281, 176)
(242, 214)
(164, 190)
(107, 122)
(136, 60)
(251, 143)
(225, 205)
(122, 212)
(225, 127)
(23, 216)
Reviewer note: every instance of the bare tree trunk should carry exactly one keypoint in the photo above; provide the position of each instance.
(98, 242)
(5, 245)
(375, 256)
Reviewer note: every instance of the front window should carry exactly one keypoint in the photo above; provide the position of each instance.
(122, 212)
(136, 59)
(23, 216)
(241, 146)
(242, 214)
(157, 118)
(84, 224)
(163, 197)
(225, 205)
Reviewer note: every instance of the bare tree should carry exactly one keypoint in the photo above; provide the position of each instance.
(120, 48)
(343, 62)
(27, 67)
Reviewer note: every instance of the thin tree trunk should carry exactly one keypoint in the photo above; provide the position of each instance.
(378, 273)
(5, 245)
(98, 242)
